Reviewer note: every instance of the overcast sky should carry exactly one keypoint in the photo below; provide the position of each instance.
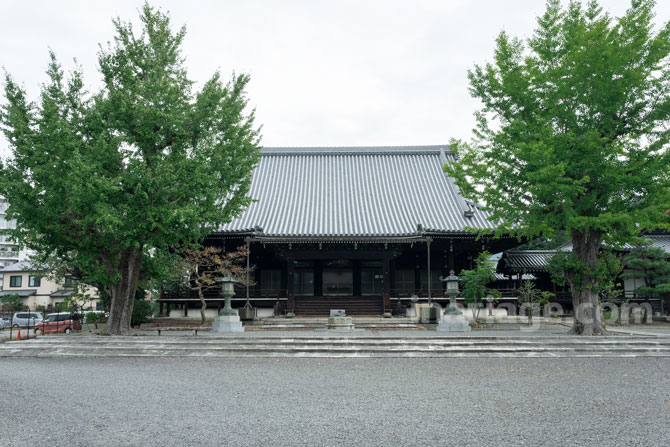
(323, 73)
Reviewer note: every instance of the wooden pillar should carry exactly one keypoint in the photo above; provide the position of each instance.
(451, 256)
(160, 308)
(386, 292)
(167, 309)
(318, 278)
(248, 241)
(186, 309)
(290, 287)
(356, 273)
(430, 296)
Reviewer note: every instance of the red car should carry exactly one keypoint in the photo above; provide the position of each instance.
(60, 323)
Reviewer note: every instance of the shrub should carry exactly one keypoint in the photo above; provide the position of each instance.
(142, 310)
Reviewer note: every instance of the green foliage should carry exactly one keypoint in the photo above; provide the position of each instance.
(542, 243)
(566, 268)
(136, 171)
(531, 298)
(12, 302)
(651, 264)
(573, 136)
(142, 310)
(573, 133)
(93, 318)
(474, 281)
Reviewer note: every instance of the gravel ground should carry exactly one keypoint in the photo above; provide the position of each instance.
(314, 402)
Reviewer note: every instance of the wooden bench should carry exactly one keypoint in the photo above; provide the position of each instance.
(195, 329)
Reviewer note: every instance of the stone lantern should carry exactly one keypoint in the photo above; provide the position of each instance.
(227, 291)
(453, 319)
(228, 319)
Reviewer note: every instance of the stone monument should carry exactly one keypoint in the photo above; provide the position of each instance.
(339, 321)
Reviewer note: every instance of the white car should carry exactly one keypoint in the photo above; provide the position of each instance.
(26, 319)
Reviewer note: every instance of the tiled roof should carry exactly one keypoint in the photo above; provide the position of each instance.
(524, 277)
(656, 240)
(355, 192)
(21, 293)
(526, 260)
(23, 266)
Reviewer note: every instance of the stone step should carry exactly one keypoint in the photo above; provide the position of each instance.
(333, 347)
(331, 338)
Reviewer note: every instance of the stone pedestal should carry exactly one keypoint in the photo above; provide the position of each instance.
(453, 322)
(227, 324)
(341, 323)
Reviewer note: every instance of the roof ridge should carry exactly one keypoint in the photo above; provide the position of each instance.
(355, 149)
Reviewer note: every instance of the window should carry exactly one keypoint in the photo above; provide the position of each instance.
(338, 282)
(34, 281)
(303, 282)
(270, 281)
(15, 281)
(404, 282)
(372, 281)
(70, 282)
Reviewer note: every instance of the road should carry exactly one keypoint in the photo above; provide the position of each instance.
(310, 402)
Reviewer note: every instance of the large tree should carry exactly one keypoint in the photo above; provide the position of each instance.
(114, 180)
(573, 135)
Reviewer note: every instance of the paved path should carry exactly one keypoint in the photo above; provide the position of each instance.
(327, 402)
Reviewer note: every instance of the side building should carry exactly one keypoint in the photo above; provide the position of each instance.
(9, 249)
(35, 290)
(522, 262)
(367, 229)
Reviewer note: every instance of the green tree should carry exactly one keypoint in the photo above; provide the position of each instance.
(117, 181)
(531, 298)
(475, 280)
(652, 266)
(12, 301)
(573, 136)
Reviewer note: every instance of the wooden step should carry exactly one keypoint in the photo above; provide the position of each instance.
(319, 306)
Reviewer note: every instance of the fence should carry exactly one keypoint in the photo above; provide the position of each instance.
(25, 322)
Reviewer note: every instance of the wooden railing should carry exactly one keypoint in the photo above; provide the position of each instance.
(254, 292)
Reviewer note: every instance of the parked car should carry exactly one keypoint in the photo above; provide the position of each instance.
(63, 322)
(26, 319)
(2, 324)
(5, 321)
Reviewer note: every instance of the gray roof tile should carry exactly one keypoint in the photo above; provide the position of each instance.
(355, 192)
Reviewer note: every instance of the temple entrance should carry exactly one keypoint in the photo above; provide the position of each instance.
(353, 306)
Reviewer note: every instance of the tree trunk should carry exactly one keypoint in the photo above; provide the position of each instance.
(586, 245)
(123, 292)
(203, 305)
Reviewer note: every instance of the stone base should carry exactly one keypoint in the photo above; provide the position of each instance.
(227, 324)
(341, 323)
(453, 323)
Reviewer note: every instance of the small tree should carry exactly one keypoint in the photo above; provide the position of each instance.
(651, 265)
(78, 302)
(531, 298)
(206, 266)
(474, 282)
